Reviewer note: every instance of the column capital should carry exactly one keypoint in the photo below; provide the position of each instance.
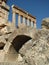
(28, 22)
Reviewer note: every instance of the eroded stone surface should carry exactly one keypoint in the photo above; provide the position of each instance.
(39, 50)
(45, 23)
(35, 51)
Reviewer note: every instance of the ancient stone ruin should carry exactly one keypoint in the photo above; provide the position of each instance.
(21, 43)
(12, 37)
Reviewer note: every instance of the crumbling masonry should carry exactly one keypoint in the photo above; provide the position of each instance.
(12, 37)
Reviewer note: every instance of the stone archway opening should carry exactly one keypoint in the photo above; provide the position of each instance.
(2, 45)
(19, 41)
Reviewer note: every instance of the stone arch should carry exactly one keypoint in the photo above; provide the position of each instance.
(11, 50)
(19, 41)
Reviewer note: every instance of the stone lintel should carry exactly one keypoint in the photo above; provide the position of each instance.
(4, 6)
(13, 6)
(7, 9)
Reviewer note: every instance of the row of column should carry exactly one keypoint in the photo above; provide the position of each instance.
(26, 21)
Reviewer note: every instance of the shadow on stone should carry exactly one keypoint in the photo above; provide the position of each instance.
(19, 41)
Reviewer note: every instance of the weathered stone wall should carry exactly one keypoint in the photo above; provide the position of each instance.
(33, 43)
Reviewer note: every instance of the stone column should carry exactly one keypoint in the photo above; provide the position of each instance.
(32, 24)
(28, 23)
(23, 20)
(14, 19)
(19, 19)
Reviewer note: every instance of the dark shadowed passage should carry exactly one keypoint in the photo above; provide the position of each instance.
(19, 41)
(2, 45)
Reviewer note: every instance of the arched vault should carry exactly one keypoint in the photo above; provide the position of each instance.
(19, 41)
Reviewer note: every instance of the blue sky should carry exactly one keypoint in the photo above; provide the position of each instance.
(38, 8)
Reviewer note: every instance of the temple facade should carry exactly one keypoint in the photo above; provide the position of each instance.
(27, 19)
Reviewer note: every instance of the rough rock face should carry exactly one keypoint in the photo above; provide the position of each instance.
(45, 23)
(34, 51)
(37, 52)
